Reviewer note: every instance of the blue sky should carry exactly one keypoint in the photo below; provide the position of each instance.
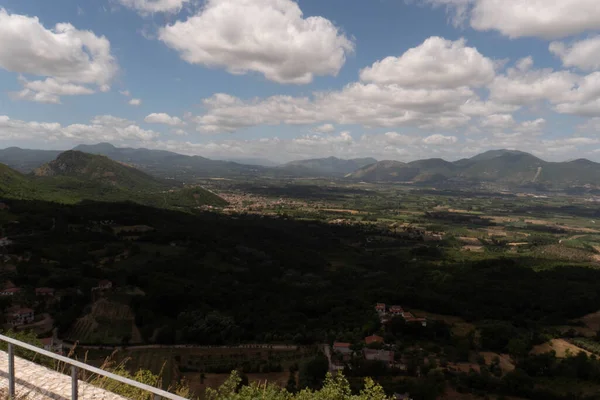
(284, 79)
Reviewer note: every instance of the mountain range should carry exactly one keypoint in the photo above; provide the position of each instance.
(507, 167)
(74, 176)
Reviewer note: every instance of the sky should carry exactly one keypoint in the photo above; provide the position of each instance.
(285, 80)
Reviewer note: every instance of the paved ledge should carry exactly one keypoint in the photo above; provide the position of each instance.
(35, 382)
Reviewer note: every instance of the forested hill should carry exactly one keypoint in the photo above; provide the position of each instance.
(75, 176)
(98, 169)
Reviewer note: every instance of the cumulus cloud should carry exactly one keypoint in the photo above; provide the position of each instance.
(49, 90)
(163, 118)
(325, 128)
(369, 105)
(437, 63)
(71, 60)
(506, 122)
(100, 129)
(430, 86)
(135, 102)
(440, 140)
(270, 37)
(522, 85)
(498, 121)
(145, 7)
(584, 100)
(519, 18)
(582, 54)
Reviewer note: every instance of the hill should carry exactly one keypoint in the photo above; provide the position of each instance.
(167, 164)
(100, 170)
(75, 176)
(331, 166)
(386, 171)
(25, 160)
(508, 167)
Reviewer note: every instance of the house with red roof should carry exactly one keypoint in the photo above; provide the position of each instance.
(396, 310)
(380, 308)
(373, 339)
(342, 349)
(409, 318)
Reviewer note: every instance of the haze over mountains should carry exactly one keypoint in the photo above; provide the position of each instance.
(507, 167)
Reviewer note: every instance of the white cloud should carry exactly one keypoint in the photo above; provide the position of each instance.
(163, 118)
(135, 102)
(154, 6)
(498, 121)
(125, 93)
(398, 139)
(584, 100)
(440, 140)
(534, 126)
(369, 105)
(584, 54)
(523, 85)
(326, 128)
(49, 90)
(270, 37)
(437, 63)
(68, 57)
(548, 19)
(100, 128)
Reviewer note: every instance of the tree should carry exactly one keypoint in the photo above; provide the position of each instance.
(313, 372)
(518, 348)
(291, 383)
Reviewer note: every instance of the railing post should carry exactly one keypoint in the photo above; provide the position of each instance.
(11, 371)
(74, 383)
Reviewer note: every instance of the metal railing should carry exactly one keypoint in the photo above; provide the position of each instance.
(75, 367)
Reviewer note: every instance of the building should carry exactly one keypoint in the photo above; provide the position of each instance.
(380, 308)
(342, 349)
(20, 316)
(409, 318)
(373, 339)
(10, 291)
(396, 310)
(384, 356)
(44, 292)
(53, 345)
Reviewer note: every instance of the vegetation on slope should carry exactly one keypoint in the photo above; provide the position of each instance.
(76, 176)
